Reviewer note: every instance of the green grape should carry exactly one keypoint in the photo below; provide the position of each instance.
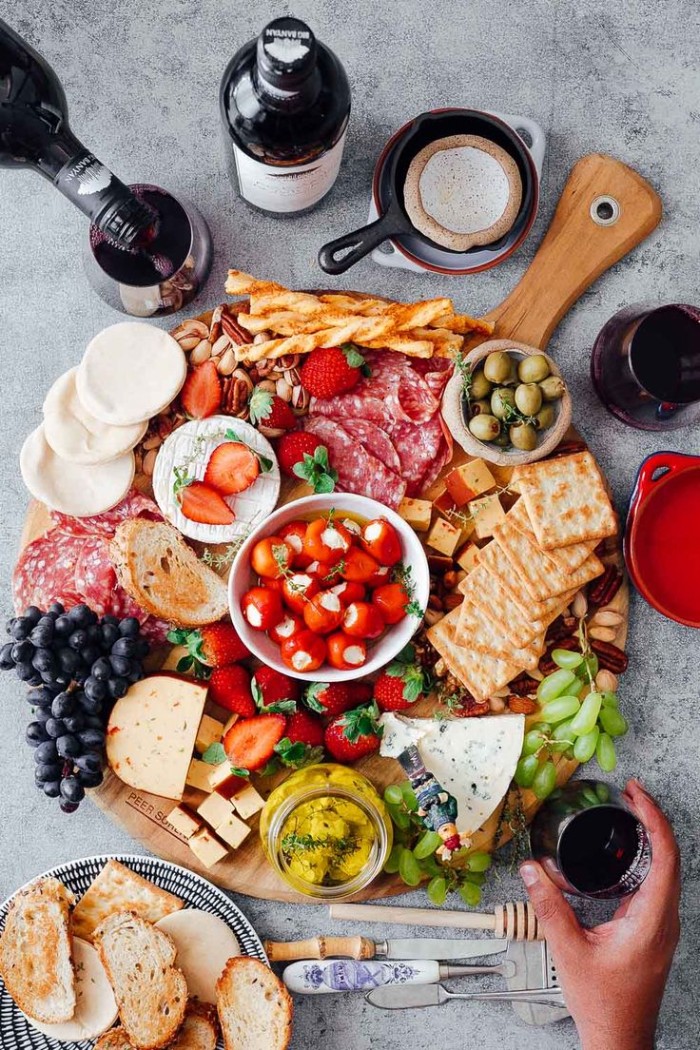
(478, 878)
(393, 795)
(409, 869)
(610, 700)
(437, 890)
(612, 721)
(603, 792)
(533, 742)
(470, 894)
(565, 658)
(584, 748)
(563, 732)
(605, 753)
(587, 717)
(409, 797)
(426, 845)
(392, 861)
(525, 770)
(430, 866)
(554, 685)
(545, 780)
(559, 709)
(589, 796)
(399, 817)
(589, 668)
(479, 862)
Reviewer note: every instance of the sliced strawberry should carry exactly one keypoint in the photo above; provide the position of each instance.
(215, 645)
(200, 396)
(250, 743)
(199, 502)
(230, 688)
(232, 467)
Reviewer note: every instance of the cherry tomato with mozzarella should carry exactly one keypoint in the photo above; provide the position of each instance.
(262, 608)
(288, 626)
(273, 585)
(344, 652)
(305, 651)
(391, 600)
(363, 620)
(381, 540)
(349, 592)
(358, 566)
(293, 533)
(271, 557)
(380, 577)
(323, 613)
(326, 541)
(297, 589)
(329, 573)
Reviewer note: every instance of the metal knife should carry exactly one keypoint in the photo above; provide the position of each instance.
(437, 948)
(407, 997)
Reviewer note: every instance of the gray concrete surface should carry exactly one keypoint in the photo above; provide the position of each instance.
(142, 81)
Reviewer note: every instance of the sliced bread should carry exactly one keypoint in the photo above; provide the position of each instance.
(151, 993)
(255, 1008)
(36, 952)
(165, 576)
(199, 1031)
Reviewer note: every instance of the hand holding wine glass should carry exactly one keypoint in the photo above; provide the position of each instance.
(613, 975)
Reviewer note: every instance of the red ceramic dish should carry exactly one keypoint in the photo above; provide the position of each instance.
(661, 539)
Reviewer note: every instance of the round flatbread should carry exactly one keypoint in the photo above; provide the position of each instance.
(73, 488)
(130, 372)
(75, 434)
(204, 945)
(96, 1007)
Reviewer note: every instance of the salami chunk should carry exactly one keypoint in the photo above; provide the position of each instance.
(45, 571)
(375, 440)
(358, 470)
(95, 577)
(134, 505)
(420, 447)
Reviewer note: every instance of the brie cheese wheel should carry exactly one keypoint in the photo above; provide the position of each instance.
(96, 1008)
(73, 488)
(188, 450)
(130, 372)
(474, 759)
(204, 943)
(75, 434)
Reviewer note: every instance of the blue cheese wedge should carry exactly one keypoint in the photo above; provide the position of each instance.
(474, 759)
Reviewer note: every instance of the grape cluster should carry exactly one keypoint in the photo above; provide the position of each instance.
(76, 665)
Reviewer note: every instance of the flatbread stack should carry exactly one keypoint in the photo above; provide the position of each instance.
(540, 555)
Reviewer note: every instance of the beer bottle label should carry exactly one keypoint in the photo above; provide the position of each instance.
(287, 188)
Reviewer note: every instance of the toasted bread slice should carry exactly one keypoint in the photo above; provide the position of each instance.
(118, 888)
(151, 993)
(255, 1008)
(199, 1031)
(36, 952)
(165, 576)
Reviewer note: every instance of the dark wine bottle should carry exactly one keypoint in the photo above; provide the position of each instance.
(34, 134)
(285, 105)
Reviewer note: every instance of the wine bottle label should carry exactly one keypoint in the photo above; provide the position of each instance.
(85, 176)
(287, 189)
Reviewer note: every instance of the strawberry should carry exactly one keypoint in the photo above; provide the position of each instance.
(230, 688)
(301, 455)
(250, 743)
(330, 699)
(361, 692)
(270, 412)
(200, 396)
(332, 370)
(274, 691)
(200, 502)
(302, 744)
(215, 645)
(232, 467)
(401, 683)
(354, 734)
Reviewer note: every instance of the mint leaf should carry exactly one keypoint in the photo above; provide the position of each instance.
(214, 755)
(184, 664)
(177, 637)
(239, 772)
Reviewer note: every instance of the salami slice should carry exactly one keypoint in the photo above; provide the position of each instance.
(436, 371)
(95, 577)
(375, 440)
(358, 470)
(418, 446)
(357, 404)
(134, 505)
(45, 571)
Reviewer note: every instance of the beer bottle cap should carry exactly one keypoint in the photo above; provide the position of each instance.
(286, 53)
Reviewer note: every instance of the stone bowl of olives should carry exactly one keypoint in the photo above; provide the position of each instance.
(515, 406)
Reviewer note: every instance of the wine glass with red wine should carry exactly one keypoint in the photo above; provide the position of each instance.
(589, 842)
(645, 366)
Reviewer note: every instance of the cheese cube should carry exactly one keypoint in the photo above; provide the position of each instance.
(468, 557)
(184, 822)
(417, 512)
(221, 775)
(468, 481)
(215, 809)
(207, 848)
(444, 537)
(231, 786)
(486, 512)
(231, 722)
(233, 832)
(248, 802)
(443, 501)
(198, 775)
(210, 732)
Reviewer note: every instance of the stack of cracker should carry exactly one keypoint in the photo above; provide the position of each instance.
(540, 555)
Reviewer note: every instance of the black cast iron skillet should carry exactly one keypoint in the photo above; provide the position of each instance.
(339, 255)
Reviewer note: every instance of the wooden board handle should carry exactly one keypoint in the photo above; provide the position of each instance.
(460, 920)
(576, 249)
(320, 948)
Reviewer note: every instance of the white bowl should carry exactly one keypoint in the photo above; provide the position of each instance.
(391, 642)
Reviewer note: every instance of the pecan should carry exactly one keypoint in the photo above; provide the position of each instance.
(235, 394)
(606, 587)
(468, 707)
(523, 685)
(236, 332)
(435, 602)
(521, 705)
(561, 628)
(610, 656)
(451, 601)
(547, 665)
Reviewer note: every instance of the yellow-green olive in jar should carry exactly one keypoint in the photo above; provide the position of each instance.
(498, 367)
(502, 402)
(480, 386)
(545, 417)
(528, 398)
(552, 388)
(523, 436)
(480, 408)
(533, 369)
(485, 427)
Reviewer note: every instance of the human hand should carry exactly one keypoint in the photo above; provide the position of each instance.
(613, 976)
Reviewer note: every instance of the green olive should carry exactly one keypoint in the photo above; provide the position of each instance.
(485, 427)
(503, 440)
(552, 388)
(502, 401)
(523, 436)
(480, 386)
(528, 398)
(545, 417)
(480, 408)
(498, 367)
(533, 369)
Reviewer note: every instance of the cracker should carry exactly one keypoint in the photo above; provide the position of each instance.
(118, 889)
(482, 675)
(566, 500)
(569, 558)
(494, 560)
(491, 596)
(481, 634)
(542, 577)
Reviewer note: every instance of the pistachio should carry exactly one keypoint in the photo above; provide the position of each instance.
(606, 618)
(602, 634)
(226, 364)
(215, 324)
(606, 682)
(149, 462)
(292, 376)
(152, 441)
(267, 384)
(288, 361)
(188, 342)
(201, 352)
(220, 345)
(300, 399)
(497, 704)
(262, 337)
(284, 390)
(440, 668)
(579, 606)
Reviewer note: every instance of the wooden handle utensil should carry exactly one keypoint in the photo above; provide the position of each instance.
(320, 948)
(515, 920)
